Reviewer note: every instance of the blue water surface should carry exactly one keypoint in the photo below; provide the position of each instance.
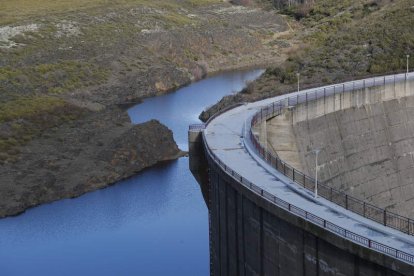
(155, 223)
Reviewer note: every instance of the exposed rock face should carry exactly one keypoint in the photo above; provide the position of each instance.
(116, 55)
(139, 147)
(279, 4)
(82, 156)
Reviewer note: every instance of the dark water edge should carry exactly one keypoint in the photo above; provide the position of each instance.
(154, 223)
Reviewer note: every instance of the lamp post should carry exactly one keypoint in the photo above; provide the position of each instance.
(244, 134)
(316, 151)
(298, 75)
(265, 134)
(408, 56)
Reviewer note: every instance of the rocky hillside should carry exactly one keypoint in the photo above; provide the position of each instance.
(340, 40)
(82, 156)
(67, 66)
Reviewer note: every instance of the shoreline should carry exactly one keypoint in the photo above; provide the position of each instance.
(73, 156)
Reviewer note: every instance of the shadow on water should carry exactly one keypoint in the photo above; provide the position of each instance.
(154, 223)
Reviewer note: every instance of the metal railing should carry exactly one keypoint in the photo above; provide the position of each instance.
(390, 219)
(218, 165)
(359, 206)
(195, 127)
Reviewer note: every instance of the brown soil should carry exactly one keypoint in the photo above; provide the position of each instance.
(103, 59)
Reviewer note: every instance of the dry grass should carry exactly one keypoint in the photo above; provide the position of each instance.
(12, 11)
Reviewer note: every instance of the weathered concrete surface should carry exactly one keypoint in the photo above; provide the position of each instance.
(243, 243)
(198, 163)
(281, 139)
(366, 139)
(249, 236)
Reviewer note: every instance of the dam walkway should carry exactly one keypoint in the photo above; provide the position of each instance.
(226, 139)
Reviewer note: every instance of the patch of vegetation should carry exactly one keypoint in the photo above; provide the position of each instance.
(23, 118)
(351, 39)
(51, 78)
(12, 11)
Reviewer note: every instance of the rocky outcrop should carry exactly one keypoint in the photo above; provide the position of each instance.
(117, 55)
(82, 156)
(280, 4)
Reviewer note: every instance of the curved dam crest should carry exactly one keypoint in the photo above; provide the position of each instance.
(262, 223)
(366, 147)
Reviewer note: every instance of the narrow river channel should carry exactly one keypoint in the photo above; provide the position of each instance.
(155, 223)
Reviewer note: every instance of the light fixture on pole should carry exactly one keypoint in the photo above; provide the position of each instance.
(316, 151)
(244, 134)
(408, 56)
(298, 75)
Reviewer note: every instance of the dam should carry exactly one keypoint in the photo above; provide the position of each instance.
(270, 214)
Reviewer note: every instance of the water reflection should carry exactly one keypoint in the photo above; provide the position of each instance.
(155, 223)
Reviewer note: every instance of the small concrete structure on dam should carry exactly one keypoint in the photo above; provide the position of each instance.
(256, 165)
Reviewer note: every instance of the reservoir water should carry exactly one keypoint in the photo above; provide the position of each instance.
(155, 223)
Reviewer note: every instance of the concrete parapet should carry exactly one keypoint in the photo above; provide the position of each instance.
(251, 236)
(366, 137)
(334, 99)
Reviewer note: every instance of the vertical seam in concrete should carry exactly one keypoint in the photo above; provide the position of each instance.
(210, 225)
(226, 211)
(317, 255)
(236, 213)
(261, 243)
(303, 254)
(345, 153)
(244, 242)
(240, 238)
(391, 147)
(356, 266)
(218, 222)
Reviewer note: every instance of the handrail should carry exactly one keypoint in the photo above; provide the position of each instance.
(329, 226)
(196, 127)
(280, 165)
(367, 210)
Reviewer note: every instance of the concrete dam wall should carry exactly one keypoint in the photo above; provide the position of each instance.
(248, 236)
(260, 221)
(366, 146)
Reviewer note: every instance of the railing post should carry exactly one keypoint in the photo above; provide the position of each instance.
(405, 90)
(385, 217)
(293, 172)
(394, 88)
(346, 201)
(307, 106)
(364, 209)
